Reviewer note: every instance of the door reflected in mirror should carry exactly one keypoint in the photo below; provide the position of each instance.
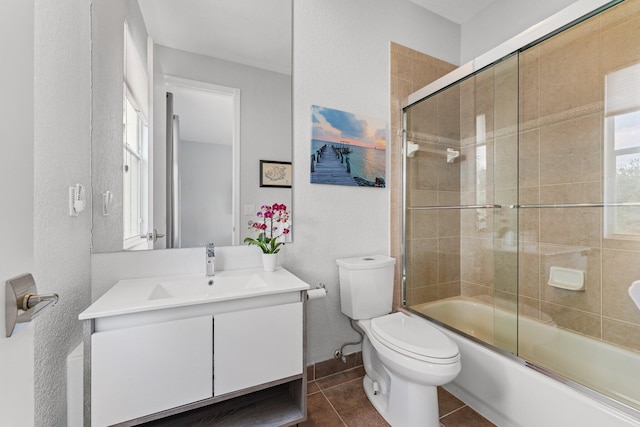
(204, 123)
(187, 173)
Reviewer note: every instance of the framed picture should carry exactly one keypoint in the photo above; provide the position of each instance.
(275, 174)
(347, 148)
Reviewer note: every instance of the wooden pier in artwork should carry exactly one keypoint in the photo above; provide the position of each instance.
(330, 165)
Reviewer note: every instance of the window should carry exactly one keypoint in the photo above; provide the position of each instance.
(134, 166)
(135, 146)
(622, 152)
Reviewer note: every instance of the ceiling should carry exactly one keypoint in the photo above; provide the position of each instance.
(250, 32)
(459, 11)
(205, 117)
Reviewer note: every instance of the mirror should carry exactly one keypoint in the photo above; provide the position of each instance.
(227, 67)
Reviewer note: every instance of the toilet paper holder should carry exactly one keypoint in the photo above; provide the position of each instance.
(22, 303)
(320, 291)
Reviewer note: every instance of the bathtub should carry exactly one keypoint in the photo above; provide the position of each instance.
(511, 392)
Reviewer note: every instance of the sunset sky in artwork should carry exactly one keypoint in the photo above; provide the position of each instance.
(340, 126)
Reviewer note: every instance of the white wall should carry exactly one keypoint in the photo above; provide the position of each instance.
(106, 134)
(107, 38)
(265, 117)
(16, 193)
(341, 61)
(502, 20)
(205, 194)
(61, 158)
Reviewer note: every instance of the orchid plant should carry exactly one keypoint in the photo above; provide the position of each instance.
(273, 222)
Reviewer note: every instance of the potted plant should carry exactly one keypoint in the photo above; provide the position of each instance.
(272, 225)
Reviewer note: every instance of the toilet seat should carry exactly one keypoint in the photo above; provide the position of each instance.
(414, 338)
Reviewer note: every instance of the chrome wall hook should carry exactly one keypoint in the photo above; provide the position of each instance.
(22, 304)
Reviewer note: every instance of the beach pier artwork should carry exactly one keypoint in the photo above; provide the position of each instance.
(347, 149)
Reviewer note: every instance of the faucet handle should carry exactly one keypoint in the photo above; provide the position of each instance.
(210, 249)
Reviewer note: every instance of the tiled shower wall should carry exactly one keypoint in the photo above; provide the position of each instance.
(488, 123)
(562, 144)
(540, 118)
(433, 236)
(450, 251)
(410, 71)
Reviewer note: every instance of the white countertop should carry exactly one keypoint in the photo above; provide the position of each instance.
(156, 293)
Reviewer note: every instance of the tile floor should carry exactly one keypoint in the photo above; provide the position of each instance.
(338, 400)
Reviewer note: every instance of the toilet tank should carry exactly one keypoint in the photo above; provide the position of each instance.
(366, 286)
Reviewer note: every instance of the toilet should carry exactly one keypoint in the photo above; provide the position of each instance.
(405, 358)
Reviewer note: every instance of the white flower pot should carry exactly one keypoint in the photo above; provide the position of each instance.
(269, 261)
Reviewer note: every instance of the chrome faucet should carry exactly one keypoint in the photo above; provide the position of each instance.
(211, 256)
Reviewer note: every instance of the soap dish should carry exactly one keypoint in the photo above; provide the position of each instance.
(566, 278)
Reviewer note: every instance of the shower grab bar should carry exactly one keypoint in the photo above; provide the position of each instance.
(576, 205)
(431, 208)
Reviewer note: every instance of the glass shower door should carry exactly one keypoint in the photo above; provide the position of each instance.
(522, 196)
(505, 194)
(460, 181)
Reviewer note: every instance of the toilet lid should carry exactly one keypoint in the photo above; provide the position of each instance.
(414, 338)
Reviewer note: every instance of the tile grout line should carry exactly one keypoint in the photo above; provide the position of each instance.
(333, 407)
(343, 383)
(322, 390)
(455, 410)
(339, 372)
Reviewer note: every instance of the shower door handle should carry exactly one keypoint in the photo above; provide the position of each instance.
(428, 208)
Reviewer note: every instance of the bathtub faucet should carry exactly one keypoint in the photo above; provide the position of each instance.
(211, 257)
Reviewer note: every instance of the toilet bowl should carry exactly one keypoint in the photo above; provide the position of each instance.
(401, 377)
(405, 358)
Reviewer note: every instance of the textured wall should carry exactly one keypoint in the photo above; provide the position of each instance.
(107, 67)
(341, 60)
(61, 159)
(16, 185)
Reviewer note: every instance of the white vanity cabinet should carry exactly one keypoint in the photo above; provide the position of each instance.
(146, 369)
(257, 346)
(206, 354)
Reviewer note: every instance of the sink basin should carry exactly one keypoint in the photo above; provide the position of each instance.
(190, 293)
(205, 286)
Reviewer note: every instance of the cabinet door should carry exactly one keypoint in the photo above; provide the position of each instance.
(141, 370)
(257, 346)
